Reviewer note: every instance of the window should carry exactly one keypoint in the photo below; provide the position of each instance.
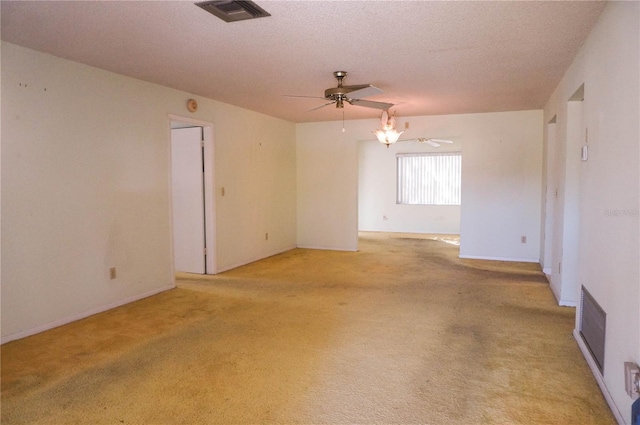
(429, 178)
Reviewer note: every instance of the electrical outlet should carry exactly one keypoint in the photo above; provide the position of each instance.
(523, 239)
(632, 380)
(112, 273)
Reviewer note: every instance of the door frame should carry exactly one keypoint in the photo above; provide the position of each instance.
(209, 190)
(550, 196)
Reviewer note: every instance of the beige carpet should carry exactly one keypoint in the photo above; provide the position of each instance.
(401, 332)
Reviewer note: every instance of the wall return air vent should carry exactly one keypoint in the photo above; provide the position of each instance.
(233, 10)
(593, 326)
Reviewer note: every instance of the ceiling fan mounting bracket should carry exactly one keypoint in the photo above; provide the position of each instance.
(340, 75)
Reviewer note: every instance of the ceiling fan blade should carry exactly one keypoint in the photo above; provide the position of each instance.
(363, 90)
(433, 142)
(322, 106)
(370, 104)
(354, 87)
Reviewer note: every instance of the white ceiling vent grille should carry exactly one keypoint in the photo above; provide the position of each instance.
(233, 10)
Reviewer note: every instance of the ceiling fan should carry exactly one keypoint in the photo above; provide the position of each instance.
(433, 142)
(350, 94)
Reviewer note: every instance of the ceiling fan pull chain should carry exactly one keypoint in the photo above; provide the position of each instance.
(343, 129)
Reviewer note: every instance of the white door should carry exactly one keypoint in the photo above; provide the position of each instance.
(188, 200)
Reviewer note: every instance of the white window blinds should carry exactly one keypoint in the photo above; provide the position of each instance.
(429, 178)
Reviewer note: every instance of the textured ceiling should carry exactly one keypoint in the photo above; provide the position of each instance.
(429, 57)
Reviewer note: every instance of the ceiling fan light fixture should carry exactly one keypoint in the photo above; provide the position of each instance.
(388, 135)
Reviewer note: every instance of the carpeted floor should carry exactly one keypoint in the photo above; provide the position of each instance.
(401, 332)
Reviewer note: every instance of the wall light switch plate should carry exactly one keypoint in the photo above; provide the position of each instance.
(584, 154)
(632, 379)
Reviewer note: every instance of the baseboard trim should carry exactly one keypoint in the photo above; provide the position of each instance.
(556, 295)
(516, 260)
(84, 314)
(253, 260)
(326, 248)
(596, 373)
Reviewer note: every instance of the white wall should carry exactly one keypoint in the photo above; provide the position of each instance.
(608, 203)
(501, 180)
(85, 186)
(378, 210)
(0, 169)
(255, 162)
(327, 178)
(501, 186)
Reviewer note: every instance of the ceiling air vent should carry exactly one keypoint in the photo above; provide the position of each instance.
(233, 10)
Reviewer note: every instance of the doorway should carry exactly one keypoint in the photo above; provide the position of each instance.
(567, 256)
(550, 242)
(379, 209)
(563, 202)
(192, 196)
